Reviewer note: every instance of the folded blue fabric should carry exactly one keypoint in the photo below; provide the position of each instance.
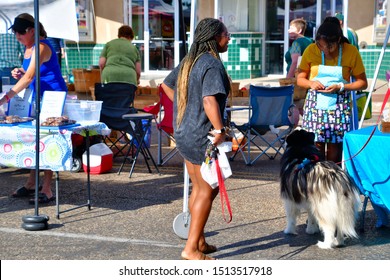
(326, 101)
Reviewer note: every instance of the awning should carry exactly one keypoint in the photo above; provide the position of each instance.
(57, 16)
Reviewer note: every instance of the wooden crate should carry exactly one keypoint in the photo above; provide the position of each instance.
(385, 126)
(85, 78)
(235, 89)
(140, 101)
(299, 92)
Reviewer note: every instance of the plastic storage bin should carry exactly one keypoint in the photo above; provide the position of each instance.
(83, 111)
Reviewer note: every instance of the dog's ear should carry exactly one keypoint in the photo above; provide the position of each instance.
(311, 137)
(307, 138)
(300, 138)
(294, 138)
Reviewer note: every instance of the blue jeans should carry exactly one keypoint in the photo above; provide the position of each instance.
(6, 72)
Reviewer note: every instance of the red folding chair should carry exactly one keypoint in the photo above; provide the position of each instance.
(163, 112)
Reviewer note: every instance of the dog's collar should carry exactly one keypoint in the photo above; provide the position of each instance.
(306, 161)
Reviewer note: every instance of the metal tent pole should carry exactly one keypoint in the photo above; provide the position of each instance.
(36, 222)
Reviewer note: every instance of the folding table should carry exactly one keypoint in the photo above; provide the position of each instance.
(17, 149)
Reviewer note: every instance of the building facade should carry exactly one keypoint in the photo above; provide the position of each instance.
(258, 27)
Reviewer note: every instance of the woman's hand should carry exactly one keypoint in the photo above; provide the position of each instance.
(331, 88)
(316, 85)
(218, 138)
(17, 73)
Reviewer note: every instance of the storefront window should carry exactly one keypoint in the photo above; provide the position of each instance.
(275, 20)
(327, 8)
(275, 14)
(307, 11)
(161, 26)
(380, 21)
(239, 15)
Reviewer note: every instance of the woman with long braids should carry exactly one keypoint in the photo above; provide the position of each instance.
(199, 87)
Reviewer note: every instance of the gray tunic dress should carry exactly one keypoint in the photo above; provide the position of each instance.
(208, 77)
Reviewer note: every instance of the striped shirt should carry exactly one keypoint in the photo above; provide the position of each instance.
(11, 51)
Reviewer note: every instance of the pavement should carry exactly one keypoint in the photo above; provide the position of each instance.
(131, 218)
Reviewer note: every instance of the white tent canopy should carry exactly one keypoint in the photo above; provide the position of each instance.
(57, 16)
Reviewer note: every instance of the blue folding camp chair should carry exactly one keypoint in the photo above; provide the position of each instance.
(269, 111)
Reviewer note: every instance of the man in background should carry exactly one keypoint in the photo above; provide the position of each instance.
(11, 56)
(58, 45)
(352, 36)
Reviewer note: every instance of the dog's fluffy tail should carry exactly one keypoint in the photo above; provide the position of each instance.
(336, 203)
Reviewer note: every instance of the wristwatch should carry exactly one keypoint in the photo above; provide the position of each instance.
(220, 131)
(341, 85)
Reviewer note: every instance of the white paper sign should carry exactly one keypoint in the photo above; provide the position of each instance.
(20, 104)
(52, 104)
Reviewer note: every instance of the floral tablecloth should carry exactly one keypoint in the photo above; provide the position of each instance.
(17, 145)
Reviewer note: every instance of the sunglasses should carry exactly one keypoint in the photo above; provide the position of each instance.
(23, 32)
(227, 35)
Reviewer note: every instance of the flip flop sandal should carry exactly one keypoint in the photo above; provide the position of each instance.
(42, 199)
(24, 192)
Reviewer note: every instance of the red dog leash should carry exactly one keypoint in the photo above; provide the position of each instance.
(223, 192)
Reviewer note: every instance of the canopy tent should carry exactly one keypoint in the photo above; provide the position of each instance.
(57, 16)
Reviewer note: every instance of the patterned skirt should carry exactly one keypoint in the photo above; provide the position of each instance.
(329, 126)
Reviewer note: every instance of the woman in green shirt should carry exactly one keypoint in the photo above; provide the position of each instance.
(120, 60)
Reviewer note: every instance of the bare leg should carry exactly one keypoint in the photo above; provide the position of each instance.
(334, 152)
(321, 147)
(31, 180)
(201, 199)
(47, 178)
(46, 187)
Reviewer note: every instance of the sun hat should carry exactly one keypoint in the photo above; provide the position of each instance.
(20, 25)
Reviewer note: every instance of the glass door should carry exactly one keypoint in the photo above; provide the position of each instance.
(274, 36)
(277, 24)
(157, 43)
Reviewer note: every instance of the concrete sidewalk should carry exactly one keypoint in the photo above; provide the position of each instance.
(131, 218)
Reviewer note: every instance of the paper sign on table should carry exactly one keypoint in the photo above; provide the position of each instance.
(20, 104)
(52, 104)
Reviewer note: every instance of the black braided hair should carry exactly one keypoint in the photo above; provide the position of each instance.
(204, 42)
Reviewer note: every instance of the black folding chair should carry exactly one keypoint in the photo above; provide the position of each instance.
(117, 101)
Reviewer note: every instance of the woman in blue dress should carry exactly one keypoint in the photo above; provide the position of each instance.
(51, 80)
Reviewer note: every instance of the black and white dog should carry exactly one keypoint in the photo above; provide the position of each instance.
(324, 189)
